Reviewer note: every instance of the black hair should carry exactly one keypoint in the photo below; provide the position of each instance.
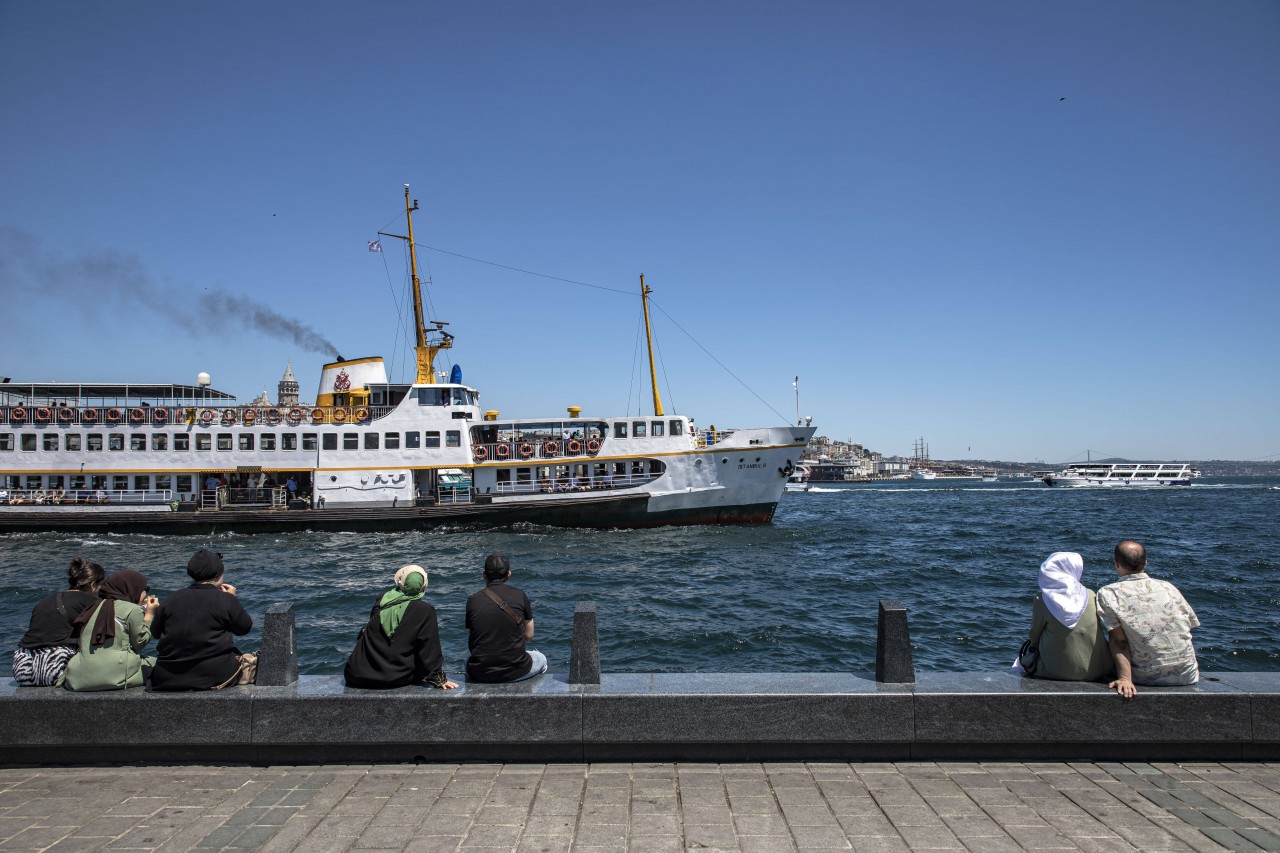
(84, 574)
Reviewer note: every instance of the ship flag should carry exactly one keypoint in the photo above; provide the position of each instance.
(375, 245)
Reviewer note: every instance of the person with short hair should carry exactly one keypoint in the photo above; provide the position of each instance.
(1148, 625)
(43, 652)
(194, 627)
(112, 635)
(500, 622)
(400, 645)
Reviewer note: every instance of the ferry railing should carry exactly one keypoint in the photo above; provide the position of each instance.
(540, 449)
(454, 495)
(268, 496)
(579, 484)
(89, 497)
(200, 415)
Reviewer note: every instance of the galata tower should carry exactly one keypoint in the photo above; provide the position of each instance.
(287, 390)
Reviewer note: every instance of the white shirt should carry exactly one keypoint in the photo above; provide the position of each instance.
(1157, 621)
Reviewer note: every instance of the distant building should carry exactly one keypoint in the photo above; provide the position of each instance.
(261, 401)
(287, 390)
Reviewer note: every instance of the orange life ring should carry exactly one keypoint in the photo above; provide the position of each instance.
(339, 415)
(295, 415)
(88, 416)
(160, 415)
(18, 414)
(551, 448)
(43, 415)
(250, 415)
(114, 416)
(593, 446)
(526, 450)
(317, 414)
(137, 415)
(360, 414)
(228, 417)
(480, 453)
(207, 416)
(574, 446)
(273, 417)
(502, 451)
(66, 414)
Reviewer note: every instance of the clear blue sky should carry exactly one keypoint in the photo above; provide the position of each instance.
(891, 200)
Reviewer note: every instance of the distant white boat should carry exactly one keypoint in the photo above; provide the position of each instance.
(798, 480)
(990, 478)
(1123, 475)
(923, 474)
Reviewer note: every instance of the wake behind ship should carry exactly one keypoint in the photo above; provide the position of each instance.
(369, 455)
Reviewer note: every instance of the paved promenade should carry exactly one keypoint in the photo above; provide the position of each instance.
(645, 807)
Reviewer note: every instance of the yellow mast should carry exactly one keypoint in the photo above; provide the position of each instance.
(648, 335)
(427, 346)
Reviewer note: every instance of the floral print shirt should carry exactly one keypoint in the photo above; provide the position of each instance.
(1157, 622)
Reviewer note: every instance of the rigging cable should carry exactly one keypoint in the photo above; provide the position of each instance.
(396, 300)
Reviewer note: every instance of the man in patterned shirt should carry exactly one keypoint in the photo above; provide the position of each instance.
(1148, 626)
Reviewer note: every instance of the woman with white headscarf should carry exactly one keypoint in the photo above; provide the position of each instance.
(400, 645)
(1065, 628)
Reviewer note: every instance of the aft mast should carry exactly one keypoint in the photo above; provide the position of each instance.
(648, 336)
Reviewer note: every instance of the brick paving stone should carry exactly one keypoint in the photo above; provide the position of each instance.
(879, 845)
(652, 844)
(493, 836)
(710, 836)
(527, 845)
(767, 844)
(431, 844)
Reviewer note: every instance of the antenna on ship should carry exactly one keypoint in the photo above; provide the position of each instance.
(648, 336)
(428, 341)
(795, 383)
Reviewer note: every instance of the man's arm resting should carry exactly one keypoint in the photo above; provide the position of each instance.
(1119, 645)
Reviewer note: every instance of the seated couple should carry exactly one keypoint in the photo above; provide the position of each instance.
(400, 645)
(1134, 631)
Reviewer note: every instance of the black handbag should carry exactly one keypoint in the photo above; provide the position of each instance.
(1029, 657)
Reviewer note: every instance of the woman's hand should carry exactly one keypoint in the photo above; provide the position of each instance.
(227, 588)
(150, 604)
(448, 685)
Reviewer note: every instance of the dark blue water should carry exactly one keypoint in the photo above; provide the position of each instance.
(798, 595)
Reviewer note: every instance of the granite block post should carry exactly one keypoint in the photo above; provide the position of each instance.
(584, 657)
(278, 657)
(893, 645)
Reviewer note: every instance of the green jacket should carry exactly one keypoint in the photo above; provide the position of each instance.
(112, 667)
(1077, 654)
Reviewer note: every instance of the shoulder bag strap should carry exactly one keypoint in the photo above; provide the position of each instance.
(506, 608)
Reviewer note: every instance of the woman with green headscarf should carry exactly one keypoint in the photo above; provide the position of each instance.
(401, 643)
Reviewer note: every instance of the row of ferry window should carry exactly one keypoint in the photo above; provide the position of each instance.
(654, 428)
(180, 483)
(95, 441)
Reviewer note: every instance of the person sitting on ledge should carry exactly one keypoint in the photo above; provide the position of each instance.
(111, 636)
(500, 622)
(1148, 624)
(1064, 625)
(194, 627)
(50, 641)
(400, 645)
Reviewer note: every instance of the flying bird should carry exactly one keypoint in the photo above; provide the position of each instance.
(1061, 99)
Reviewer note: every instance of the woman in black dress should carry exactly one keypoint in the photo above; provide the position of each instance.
(400, 645)
(194, 627)
(50, 641)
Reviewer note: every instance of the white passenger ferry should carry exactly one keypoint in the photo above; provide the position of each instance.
(371, 454)
(1123, 475)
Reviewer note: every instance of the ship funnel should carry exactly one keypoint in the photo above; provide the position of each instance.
(575, 411)
(491, 414)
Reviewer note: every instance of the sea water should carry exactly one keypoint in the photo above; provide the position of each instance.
(798, 595)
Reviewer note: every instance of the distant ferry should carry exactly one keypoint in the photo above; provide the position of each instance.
(1123, 475)
(370, 454)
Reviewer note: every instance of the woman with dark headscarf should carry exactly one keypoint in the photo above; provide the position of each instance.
(194, 629)
(112, 634)
(50, 641)
(400, 645)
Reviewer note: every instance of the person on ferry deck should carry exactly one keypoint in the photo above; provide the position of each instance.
(400, 644)
(194, 627)
(50, 641)
(112, 635)
(500, 622)
(1065, 626)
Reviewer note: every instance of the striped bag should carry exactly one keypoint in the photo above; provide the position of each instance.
(40, 667)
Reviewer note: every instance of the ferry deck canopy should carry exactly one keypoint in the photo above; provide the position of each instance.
(106, 393)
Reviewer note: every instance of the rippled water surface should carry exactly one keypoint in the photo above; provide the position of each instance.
(797, 595)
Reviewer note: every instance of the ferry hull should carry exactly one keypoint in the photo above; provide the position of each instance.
(614, 512)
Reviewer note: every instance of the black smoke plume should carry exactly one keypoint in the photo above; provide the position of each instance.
(90, 277)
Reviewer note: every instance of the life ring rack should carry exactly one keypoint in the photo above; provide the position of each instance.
(551, 448)
(160, 415)
(17, 414)
(480, 453)
(272, 416)
(207, 417)
(339, 415)
(137, 415)
(502, 451)
(360, 414)
(114, 416)
(228, 417)
(574, 446)
(593, 446)
(66, 414)
(526, 450)
(317, 415)
(295, 416)
(88, 416)
(250, 415)
(43, 415)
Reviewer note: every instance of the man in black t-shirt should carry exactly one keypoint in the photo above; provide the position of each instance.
(500, 621)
